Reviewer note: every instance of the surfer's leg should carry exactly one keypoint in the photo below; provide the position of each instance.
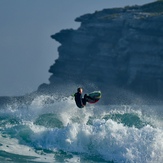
(88, 97)
(84, 100)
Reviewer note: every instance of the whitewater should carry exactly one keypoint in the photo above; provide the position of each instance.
(52, 129)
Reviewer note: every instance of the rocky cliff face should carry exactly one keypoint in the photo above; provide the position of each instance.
(118, 51)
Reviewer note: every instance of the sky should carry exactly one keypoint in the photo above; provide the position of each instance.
(26, 48)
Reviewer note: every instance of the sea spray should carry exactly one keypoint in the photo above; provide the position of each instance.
(50, 126)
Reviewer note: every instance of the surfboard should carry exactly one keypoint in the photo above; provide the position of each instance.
(93, 97)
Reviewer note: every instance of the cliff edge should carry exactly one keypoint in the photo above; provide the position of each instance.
(118, 51)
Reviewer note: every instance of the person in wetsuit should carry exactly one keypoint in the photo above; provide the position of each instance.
(80, 102)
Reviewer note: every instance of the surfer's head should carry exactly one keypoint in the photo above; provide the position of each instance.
(80, 90)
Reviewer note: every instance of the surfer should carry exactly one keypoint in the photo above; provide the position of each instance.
(80, 102)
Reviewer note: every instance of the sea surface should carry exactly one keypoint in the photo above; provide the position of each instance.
(53, 129)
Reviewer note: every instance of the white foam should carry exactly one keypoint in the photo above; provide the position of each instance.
(103, 138)
(11, 145)
(107, 139)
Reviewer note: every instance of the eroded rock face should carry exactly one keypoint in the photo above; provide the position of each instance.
(119, 51)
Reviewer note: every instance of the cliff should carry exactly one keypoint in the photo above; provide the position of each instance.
(118, 51)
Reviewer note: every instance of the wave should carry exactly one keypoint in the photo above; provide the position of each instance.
(52, 129)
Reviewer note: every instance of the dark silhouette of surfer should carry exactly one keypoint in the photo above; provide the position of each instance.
(80, 102)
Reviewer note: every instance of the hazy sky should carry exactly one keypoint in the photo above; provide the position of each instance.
(26, 49)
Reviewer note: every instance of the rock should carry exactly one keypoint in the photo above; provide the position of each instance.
(118, 51)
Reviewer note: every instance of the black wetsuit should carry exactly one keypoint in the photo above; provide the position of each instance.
(80, 102)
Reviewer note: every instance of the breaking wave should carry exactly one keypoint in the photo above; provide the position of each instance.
(55, 130)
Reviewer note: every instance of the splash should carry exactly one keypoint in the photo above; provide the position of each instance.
(52, 126)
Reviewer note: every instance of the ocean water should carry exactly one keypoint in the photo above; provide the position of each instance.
(55, 130)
